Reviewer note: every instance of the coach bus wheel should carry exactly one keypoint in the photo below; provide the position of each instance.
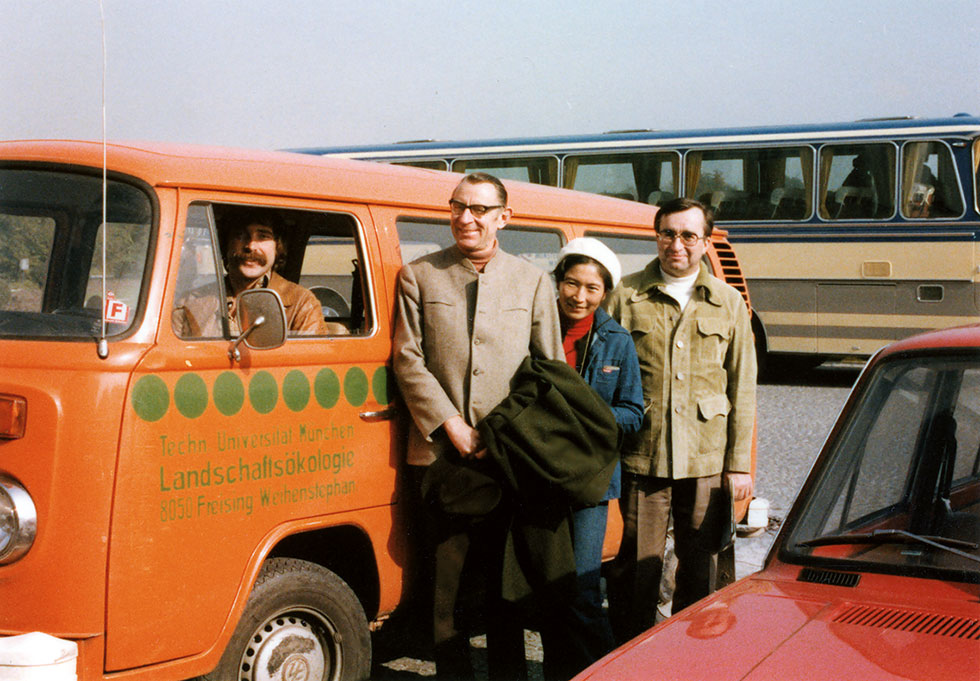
(301, 623)
(761, 348)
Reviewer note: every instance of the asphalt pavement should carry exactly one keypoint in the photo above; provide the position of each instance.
(796, 410)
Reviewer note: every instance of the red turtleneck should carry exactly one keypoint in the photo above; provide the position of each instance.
(573, 332)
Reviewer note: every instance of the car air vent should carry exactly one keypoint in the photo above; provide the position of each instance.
(910, 620)
(829, 577)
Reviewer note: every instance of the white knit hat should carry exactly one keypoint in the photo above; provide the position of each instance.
(595, 249)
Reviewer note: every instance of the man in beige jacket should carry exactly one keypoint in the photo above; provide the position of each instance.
(467, 317)
(694, 340)
(254, 251)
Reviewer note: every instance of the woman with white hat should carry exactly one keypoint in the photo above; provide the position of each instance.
(603, 353)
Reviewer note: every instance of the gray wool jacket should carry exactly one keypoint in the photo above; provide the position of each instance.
(460, 336)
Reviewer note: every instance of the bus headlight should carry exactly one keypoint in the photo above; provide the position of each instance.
(18, 520)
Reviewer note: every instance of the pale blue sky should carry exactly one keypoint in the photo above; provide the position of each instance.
(286, 73)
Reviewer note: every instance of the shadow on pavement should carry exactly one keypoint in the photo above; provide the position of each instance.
(793, 371)
(401, 651)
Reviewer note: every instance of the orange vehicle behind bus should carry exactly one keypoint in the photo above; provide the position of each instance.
(176, 505)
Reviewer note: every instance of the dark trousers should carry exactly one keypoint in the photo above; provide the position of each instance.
(699, 509)
(577, 633)
(447, 546)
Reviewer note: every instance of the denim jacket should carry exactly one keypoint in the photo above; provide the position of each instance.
(611, 368)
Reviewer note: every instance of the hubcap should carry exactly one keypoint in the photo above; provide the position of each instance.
(294, 645)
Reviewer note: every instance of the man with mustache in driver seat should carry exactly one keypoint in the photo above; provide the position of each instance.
(253, 251)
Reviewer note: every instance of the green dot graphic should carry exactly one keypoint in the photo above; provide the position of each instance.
(381, 384)
(355, 386)
(191, 395)
(296, 390)
(263, 392)
(150, 398)
(326, 387)
(229, 393)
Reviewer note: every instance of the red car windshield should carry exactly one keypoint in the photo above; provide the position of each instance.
(899, 490)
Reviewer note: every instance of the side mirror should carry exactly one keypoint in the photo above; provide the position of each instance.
(262, 319)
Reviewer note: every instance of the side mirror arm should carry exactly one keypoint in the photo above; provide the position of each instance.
(233, 352)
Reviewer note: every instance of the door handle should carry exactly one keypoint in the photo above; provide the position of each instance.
(381, 415)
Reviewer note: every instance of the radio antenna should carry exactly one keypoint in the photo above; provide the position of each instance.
(103, 346)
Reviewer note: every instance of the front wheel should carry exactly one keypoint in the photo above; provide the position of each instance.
(301, 623)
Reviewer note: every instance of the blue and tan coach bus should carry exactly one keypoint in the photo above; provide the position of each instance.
(849, 235)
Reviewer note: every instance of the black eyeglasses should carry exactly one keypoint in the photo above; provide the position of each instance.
(458, 208)
(667, 236)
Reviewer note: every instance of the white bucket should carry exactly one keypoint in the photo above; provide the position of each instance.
(758, 515)
(37, 657)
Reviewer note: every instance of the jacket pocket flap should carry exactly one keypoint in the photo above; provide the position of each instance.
(714, 405)
(708, 326)
(637, 324)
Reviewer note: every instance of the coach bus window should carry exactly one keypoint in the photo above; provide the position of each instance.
(976, 174)
(538, 246)
(650, 178)
(857, 181)
(540, 170)
(752, 184)
(929, 185)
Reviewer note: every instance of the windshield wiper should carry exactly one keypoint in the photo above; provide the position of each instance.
(896, 537)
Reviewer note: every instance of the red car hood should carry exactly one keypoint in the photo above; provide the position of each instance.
(758, 629)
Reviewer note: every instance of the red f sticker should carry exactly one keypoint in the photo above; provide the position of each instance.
(116, 310)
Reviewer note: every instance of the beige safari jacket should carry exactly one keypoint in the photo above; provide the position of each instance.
(698, 371)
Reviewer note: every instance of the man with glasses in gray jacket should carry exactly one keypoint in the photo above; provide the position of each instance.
(467, 317)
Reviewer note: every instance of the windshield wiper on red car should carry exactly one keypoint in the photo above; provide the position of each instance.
(896, 537)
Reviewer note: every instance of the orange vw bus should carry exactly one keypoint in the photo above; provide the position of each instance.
(175, 504)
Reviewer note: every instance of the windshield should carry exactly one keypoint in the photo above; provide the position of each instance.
(907, 462)
(51, 235)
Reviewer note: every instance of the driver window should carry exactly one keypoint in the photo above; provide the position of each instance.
(196, 313)
(883, 455)
(311, 259)
(967, 415)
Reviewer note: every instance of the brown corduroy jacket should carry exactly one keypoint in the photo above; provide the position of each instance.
(698, 371)
(196, 316)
